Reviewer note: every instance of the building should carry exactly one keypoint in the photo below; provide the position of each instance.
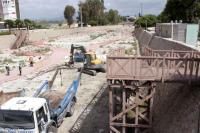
(1, 11)
(10, 9)
(187, 33)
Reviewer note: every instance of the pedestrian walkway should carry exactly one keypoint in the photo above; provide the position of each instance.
(55, 58)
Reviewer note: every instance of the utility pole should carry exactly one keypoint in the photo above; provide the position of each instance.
(141, 8)
(81, 16)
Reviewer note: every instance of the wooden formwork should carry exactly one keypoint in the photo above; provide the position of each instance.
(130, 105)
(131, 84)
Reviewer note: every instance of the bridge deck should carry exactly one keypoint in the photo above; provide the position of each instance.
(165, 69)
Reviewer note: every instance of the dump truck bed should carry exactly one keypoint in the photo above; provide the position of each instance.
(60, 92)
(54, 98)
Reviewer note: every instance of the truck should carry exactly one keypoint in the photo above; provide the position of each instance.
(42, 113)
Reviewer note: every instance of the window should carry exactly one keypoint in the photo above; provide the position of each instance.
(40, 114)
(16, 119)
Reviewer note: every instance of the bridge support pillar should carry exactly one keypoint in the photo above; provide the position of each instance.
(130, 106)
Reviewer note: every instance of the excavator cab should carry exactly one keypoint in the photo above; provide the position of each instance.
(92, 58)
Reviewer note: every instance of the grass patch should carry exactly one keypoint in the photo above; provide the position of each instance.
(5, 33)
(93, 37)
(43, 50)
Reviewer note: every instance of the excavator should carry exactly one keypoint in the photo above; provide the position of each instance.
(91, 64)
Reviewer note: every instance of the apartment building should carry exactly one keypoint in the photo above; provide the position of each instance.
(10, 9)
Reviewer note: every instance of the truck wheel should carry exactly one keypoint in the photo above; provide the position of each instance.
(72, 109)
(52, 129)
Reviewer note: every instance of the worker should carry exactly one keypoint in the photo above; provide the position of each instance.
(20, 69)
(7, 69)
(31, 61)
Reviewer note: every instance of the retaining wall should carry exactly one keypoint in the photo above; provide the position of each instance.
(176, 106)
(146, 38)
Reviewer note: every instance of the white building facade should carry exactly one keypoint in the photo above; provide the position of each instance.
(9, 9)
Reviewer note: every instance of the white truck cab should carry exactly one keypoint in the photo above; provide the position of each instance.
(25, 115)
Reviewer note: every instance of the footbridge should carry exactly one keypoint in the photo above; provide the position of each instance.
(132, 82)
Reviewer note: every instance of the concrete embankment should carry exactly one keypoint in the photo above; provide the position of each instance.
(176, 106)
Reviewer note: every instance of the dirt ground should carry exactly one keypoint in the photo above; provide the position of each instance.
(89, 88)
(91, 109)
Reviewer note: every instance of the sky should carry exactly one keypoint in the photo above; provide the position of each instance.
(53, 9)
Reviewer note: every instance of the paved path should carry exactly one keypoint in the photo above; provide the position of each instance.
(54, 59)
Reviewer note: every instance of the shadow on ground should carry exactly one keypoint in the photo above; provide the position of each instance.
(95, 118)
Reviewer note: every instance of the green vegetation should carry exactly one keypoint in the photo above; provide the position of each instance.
(43, 50)
(26, 23)
(186, 10)
(93, 37)
(147, 20)
(5, 33)
(68, 14)
(113, 16)
(93, 13)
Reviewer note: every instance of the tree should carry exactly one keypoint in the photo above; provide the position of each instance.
(113, 16)
(28, 23)
(19, 23)
(92, 12)
(84, 9)
(147, 20)
(186, 10)
(9, 24)
(69, 13)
